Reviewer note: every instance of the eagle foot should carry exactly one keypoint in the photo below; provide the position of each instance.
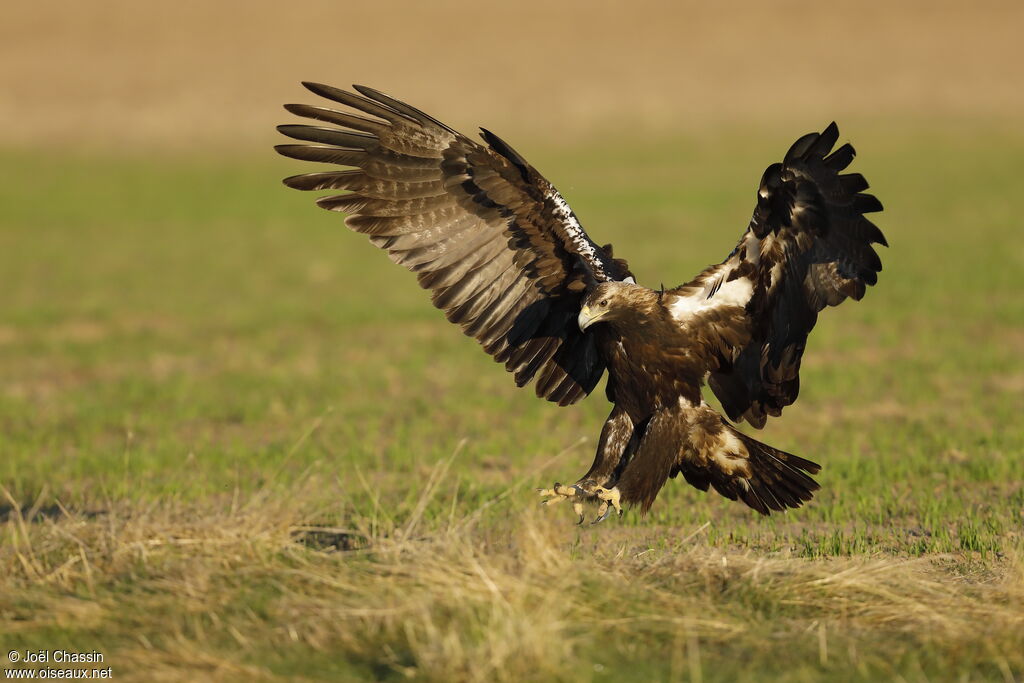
(581, 492)
(610, 499)
(558, 493)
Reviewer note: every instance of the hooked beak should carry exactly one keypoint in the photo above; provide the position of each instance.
(587, 318)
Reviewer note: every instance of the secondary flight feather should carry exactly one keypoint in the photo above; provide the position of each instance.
(508, 261)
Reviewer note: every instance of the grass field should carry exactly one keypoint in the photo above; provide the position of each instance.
(239, 444)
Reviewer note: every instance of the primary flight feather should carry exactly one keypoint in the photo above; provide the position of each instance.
(508, 261)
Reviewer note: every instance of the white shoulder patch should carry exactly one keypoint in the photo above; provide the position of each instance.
(734, 293)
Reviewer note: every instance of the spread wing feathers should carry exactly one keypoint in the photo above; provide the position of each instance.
(502, 253)
(808, 245)
(739, 467)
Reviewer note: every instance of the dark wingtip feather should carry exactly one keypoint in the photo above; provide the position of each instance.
(401, 108)
(378, 96)
(321, 89)
(866, 203)
(874, 232)
(298, 131)
(800, 147)
(325, 180)
(824, 143)
(505, 150)
(852, 183)
(366, 90)
(330, 136)
(841, 158)
(831, 131)
(294, 181)
(334, 202)
(374, 107)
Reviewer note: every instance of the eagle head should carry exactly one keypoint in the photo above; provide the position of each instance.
(607, 302)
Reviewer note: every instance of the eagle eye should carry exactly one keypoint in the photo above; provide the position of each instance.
(604, 302)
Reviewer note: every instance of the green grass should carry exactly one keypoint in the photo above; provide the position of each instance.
(199, 368)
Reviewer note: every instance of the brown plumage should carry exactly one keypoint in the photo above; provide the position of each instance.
(508, 261)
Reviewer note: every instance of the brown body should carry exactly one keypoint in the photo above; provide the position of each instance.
(660, 425)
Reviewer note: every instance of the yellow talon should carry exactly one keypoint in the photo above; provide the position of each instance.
(609, 497)
(558, 493)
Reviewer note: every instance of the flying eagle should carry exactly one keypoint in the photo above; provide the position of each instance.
(507, 260)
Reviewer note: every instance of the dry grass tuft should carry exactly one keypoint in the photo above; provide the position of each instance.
(505, 591)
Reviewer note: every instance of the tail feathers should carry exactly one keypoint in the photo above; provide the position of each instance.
(709, 452)
(778, 480)
(741, 468)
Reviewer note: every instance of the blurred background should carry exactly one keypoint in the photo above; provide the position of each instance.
(129, 76)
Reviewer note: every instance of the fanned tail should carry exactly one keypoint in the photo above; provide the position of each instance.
(697, 442)
(742, 468)
(779, 480)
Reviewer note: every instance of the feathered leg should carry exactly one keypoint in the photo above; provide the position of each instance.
(617, 443)
(656, 453)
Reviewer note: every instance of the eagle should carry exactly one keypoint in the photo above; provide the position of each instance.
(509, 262)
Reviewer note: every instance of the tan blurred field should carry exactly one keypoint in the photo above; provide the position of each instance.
(127, 73)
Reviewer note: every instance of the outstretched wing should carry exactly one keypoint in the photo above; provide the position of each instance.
(502, 253)
(809, 245)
